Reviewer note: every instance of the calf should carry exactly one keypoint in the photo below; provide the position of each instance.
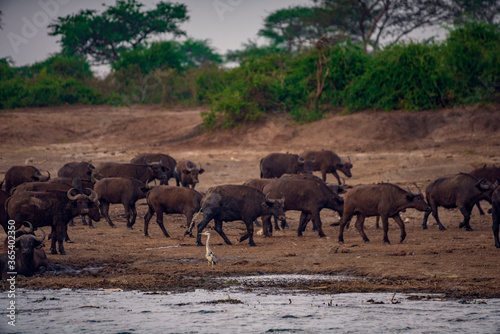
(461, 191)
(166, 199)
(124, 190)
(385, 200)
(237, 202)
(186, 173)
(328, 162)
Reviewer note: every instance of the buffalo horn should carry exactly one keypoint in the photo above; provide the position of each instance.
(48, 175)
(187, 167)
(43, 236)
(343, 182)
(268, 199)
(93, 195)
(482, 185)
(28, 225)
(301, 160)
(70, 196)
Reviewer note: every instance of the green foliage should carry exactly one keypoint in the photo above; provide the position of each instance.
(58, 80)
(472, 54)
(124, 26)
(405, 76)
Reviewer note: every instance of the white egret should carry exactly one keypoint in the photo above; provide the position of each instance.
(210, 256)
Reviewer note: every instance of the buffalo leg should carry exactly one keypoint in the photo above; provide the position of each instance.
(249, 234)
(159, 221)
(401, 225)
(302, 223)
(377, 225)
(134, 216)
(496, 224)
(267, 226)
(345, 219)
(481, 212)
(53, 237)
(465, 223)
(218, 229)
(105, 212)
(317, 220)
(360, 221)
(435, 215)
(147, 218)
(207, 217)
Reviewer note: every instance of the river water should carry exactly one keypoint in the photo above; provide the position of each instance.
(244, 310)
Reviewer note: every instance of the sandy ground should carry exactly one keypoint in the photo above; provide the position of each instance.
(403, 148)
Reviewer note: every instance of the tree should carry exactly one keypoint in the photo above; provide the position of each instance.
(371, 21)
(119, 28)
(251, 49)
(197, 52)
(292, 27)
(487, 11)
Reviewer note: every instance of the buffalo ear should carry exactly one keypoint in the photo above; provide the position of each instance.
(186, 172)
(409, 198)
(201, 171)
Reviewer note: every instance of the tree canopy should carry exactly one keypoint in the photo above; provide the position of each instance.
(124, 26)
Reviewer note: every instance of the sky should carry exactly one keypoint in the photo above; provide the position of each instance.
(226, 23)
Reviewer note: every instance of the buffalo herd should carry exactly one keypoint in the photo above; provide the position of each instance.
(30, 200)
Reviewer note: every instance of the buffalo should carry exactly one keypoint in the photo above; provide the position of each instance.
(168, 200)
(186, 173)
(4, 217)
(460, 191)
(82, 170)
(490, 173)
(495, 214)
(24, 249)
(277, 164)
(306, 195)
(141, 172)
(385, 200)
(17, 175)
(328, 162)
(237, 202)
(124, 190)
(52, 208)
(166, 161)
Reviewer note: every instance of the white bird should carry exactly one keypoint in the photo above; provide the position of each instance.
(210, 256)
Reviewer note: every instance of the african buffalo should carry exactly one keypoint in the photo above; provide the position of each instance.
(141, 172)
(461, 191)
(490, 173)
(124, 190)
(17, 175)
(328, 162)
(168, 200)
(52, 208)
(166, 161)
(186, 173)
(385, 200)
(82, 170)
(4, 217)
(237, 202)
(495, 214)
(23, 251)
(306, 195)
(277, 164)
